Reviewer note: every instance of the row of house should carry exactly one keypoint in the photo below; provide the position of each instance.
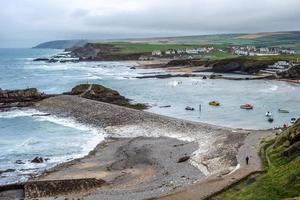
(191, 51)
(254, 51)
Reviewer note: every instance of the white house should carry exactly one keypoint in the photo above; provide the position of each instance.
(191, 51)
(156, 53)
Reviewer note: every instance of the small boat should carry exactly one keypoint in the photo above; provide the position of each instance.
(167, 106)
(268, 114)
(283, 111)
(247, 106)
(214, 103)
(270, 119)
(189, 108)
(293, 120)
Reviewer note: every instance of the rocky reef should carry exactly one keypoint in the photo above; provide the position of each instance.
(100, 93)
(28, 97)
(229, 65)
(292, 73)
(20, 98)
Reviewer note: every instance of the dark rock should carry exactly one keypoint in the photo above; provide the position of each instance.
(41, 115)
(41, 59)
(132, 67)
(240, 64)
(164, 76)
(20, 98)
(38, 160)
(103, 94)
(292, 73)
(53, 60)
(183, 159)
(20, 162)
(6, 171)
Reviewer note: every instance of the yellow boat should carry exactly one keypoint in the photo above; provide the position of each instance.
(214, 103)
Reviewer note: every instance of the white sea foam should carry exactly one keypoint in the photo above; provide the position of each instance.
(20, 113)
(91, 136)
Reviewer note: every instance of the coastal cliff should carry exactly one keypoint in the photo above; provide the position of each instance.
(102, 52)
(245, 65)
(292, 73)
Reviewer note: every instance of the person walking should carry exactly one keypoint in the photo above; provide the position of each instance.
(247, 160)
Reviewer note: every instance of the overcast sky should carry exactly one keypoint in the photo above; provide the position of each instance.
(28, 22)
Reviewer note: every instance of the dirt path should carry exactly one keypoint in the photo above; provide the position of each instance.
(216, 184)
(88, 90)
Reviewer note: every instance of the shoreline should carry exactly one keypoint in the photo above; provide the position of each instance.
(225, 135)
(121, 123)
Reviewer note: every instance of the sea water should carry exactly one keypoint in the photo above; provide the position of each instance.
(23, 137)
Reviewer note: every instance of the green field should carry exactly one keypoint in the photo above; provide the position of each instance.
(130, 47)
(282, 177)
(283, 39)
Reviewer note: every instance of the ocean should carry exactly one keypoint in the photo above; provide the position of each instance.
(24, 137)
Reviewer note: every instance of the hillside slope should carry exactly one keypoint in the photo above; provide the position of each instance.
(281, 156)
(61, 44)
(284, 39)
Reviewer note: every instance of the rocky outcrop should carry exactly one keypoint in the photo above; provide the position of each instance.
(165, 76)
(20, 98)
(226, 65)
(102, 52)
(103, 94)
(239, 64)
(292, 73)
(290, 140)
(185, 62)
(28, 97)
(37, 160)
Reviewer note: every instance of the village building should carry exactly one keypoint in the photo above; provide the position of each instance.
(156, 53)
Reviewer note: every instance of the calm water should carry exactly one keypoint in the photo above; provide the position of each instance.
(23, 137)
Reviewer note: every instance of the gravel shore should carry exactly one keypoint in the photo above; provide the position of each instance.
(140, 157)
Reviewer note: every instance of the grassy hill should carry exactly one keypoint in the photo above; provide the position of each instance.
(61, 44)
(284, 39)
(281, 157)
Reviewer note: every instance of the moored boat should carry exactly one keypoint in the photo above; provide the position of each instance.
(283, 111)
(268, 114)
(189, 108)
(293, 120)
(247, 106)
(214, 103)
(270, 119)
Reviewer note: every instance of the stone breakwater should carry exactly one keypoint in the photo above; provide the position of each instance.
(145, 155)
(217, 146)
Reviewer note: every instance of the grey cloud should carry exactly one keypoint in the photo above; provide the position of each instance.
(34, 21)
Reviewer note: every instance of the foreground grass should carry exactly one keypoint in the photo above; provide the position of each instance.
(281, 179)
